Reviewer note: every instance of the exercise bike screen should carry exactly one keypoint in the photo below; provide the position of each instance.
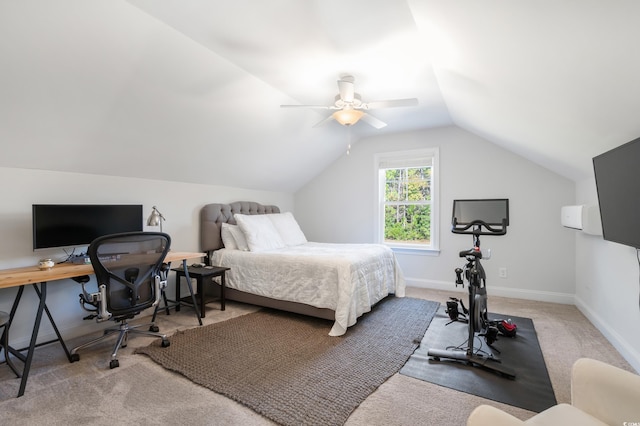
(489, 211)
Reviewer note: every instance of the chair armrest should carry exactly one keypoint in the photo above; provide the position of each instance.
(486, 415)
(608, 393)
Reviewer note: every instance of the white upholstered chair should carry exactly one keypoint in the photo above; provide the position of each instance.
(601, 394)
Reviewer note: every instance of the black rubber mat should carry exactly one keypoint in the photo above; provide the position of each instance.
(531, 388)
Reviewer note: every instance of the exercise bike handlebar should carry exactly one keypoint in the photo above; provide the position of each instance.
(477, 225)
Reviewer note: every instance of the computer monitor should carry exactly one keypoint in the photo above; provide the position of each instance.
(469, 216)
(73, 225)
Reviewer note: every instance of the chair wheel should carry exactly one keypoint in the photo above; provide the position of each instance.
(154, 328)
(166, 343)
(114, 363)
(75, 357)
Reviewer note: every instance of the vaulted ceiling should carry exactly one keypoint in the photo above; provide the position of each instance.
(189, 90)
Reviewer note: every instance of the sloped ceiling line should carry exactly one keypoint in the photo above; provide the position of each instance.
(552, 81)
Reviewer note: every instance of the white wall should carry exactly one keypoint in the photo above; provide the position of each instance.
(607, 284)
(537, 251)
(180, 203)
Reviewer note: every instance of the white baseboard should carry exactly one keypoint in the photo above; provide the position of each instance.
(542, 296)
(434, 285)
(627, 352)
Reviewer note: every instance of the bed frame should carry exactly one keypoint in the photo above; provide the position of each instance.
(212, 216)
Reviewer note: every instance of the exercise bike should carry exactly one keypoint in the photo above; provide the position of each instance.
(477, 217)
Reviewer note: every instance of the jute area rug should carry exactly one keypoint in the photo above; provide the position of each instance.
(287, 368)
(531, 389)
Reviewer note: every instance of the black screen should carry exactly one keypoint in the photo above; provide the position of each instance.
(618, 185)
(68, 225)
(490, 211)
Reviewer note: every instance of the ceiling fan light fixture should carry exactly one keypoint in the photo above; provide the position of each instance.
(348, 106)
(348, 117)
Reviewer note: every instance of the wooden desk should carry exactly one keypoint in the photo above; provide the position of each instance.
(19, 277)
(33, 274)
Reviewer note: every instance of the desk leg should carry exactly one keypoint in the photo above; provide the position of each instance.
(42, 307)
(193, 296)
(15, 353)
(34, 337)
(53, 323)
(16, 302)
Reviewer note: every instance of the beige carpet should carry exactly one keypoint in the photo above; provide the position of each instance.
(142, 393)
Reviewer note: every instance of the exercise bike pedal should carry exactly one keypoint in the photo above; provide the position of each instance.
(459, 280)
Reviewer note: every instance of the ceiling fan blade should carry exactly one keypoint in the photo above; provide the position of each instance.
(305, 106)
(345, 87)
(325, 121)
(371, 120)
(392, 103)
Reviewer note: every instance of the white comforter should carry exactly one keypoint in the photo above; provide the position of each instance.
(347, 278)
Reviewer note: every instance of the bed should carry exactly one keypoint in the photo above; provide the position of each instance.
(273, 265)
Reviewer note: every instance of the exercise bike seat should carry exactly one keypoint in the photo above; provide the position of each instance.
(471, 252)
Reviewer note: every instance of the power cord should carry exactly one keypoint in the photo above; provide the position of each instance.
(477, 348)
(69, 255)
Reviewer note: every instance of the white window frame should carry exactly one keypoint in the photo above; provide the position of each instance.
(409, 158)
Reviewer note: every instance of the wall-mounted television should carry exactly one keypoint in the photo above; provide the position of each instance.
(74, 225)
(618, 187)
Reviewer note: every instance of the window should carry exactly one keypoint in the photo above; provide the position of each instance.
(407, 199)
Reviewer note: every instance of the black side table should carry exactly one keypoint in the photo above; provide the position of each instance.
(201, 274)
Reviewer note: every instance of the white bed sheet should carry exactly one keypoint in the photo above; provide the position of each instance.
(347, 278)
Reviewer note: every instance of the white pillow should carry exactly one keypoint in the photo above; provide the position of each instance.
(259, 231)
(288, 228)
(227, 237)
(238, 237)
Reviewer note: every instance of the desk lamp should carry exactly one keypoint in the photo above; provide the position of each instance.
(155, 218)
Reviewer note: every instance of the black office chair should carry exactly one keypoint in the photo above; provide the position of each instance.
(131, 275)
(4, 341)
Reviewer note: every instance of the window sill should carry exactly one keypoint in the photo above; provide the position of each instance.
(414, 251)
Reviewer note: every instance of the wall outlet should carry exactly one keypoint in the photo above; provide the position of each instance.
(502, 272)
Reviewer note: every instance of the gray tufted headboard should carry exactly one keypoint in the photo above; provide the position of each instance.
(212, 216)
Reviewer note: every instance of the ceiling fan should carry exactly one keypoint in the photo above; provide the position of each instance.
(349, 108)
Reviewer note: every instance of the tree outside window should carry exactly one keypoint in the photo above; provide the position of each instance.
(407, 210)
(407, 199)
